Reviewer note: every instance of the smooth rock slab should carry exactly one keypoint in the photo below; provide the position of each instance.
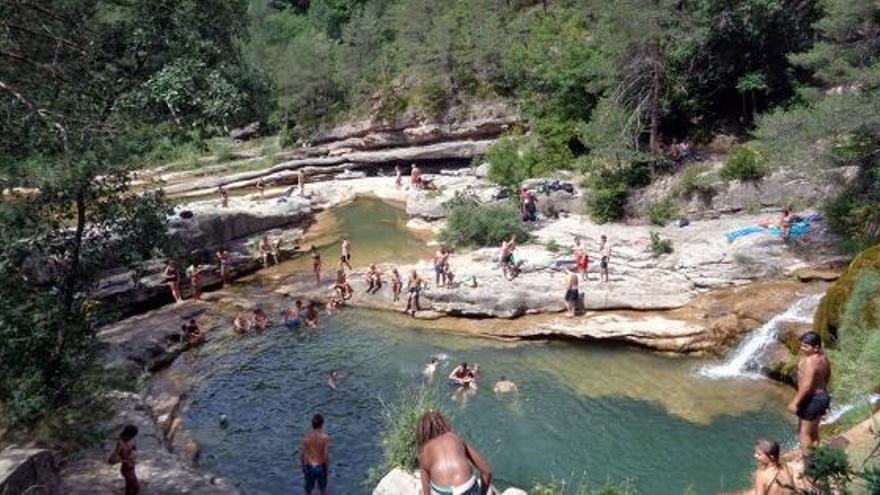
(24, 469)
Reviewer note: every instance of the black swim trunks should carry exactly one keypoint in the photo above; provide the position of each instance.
(313, 475)
(345, 258)
(604, 262)
(814, 406)
(572, 295)
(507, 258)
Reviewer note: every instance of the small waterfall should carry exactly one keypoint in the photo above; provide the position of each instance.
(742, 361)
(837, 412)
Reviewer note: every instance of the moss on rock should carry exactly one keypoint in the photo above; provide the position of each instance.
(829, 314)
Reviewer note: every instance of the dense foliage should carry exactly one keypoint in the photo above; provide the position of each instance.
(399, 449)
(484, 225)
(87, 86)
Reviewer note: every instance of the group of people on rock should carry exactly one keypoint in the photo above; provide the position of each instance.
(260, 186)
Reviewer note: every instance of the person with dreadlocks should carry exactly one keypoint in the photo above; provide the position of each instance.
(447, 462)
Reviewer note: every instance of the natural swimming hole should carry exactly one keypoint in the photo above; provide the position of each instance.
(585, 411)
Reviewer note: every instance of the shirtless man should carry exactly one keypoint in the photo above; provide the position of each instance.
(441, 257)
(605, 253)
(504, 386)
(398, 176)
(242, 324)
(311, 316)
(396, 284)
(572, 295)
(772, 477)
(462, 376)
(265, 248)
(811, 401)
(507, 265)
(261, 187)
(301, 176)
(431, 367)
(292, 315)
(314, 456)
(415, 177)
(345, 259)
(225, 260)
(414, 287)
(446, 461)
(224, 196)
(333, 379)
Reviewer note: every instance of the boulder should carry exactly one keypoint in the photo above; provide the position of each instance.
(426, 205)
(830, 312)
(398, 482)
(29, 471)
(482, 170)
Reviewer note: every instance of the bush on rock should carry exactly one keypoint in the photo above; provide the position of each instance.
(486, 225)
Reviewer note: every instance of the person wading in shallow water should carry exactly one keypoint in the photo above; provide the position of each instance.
(571, 294)
(126, 454)
(772, 477)
(445, 460)
(315, 456)
(811, 401)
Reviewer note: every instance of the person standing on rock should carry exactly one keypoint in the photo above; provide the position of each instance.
(316, 263)
(172, 278)
(314, 456)
(345, 259)
(772, 477)
(225, 260)
(301, 177)
(414, 287)
(811, 401)
(396, 284)
(261, 187)
(605, 253)
(572, 294)
(581, 259)
(441, 257)
(398, 176)
(446, 461)
(415, 177)
(508, 267)
(195, 281)
(265, 248)
(125, 454)
(224, 196)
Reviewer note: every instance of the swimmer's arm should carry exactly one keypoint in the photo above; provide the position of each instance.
(452, 375)
(482, 466)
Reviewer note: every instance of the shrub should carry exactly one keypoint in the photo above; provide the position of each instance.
(392, 105)
(485, 225)
(829, 469)
(399, 433)
(431, 97)
(553, 246)
(607, 203)
(288, 136)
(854, 214)
(505, 163)
(694, 180)
(744, 164)
(610, 187)
(660, 246)
(661, 212)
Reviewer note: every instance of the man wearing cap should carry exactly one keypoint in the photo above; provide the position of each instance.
(811, 401)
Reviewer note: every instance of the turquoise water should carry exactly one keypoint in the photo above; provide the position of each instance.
(585, 412)
(561, 425)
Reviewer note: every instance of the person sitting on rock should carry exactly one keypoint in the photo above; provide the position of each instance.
(191, 334)
(504, 386)
(445, 460)
(772, 477)
(125, 454)
(342, 287)
(374, 280)
(242, 324)
(396, 284)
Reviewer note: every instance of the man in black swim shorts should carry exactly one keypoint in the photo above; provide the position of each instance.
(811, 401)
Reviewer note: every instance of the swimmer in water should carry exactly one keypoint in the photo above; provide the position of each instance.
(311, 316)
(464, 376)
(261, 320)
(431, 367)
(292, 316)
(333, 379)
(242, 324)
(504, 386)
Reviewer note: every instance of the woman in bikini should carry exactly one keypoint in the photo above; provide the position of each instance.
(772, 477)
(173, 280)
(447, 462)
(316, 263)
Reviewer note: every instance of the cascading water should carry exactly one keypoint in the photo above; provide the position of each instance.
(837, 412)
(742, 363)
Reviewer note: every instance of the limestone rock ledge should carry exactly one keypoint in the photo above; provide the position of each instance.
(22, 470)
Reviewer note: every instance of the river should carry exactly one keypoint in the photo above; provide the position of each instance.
(585, 411)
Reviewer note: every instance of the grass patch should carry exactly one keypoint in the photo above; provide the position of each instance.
(659, 245)
(484, 225)
(399, 448)
(662, 212)
(856, 353)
